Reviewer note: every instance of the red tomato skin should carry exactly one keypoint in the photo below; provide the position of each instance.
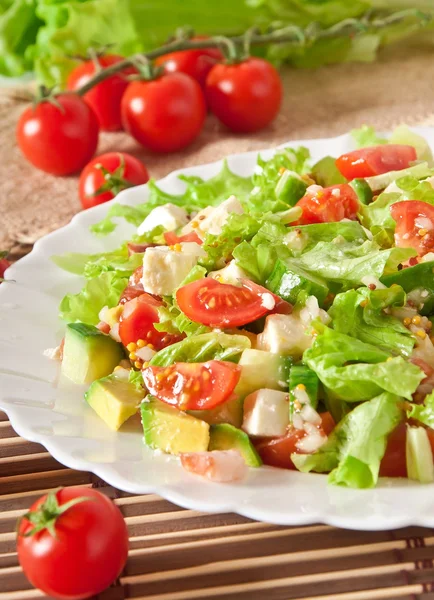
(58, 141)
(171, 238)
(375, 160)
(246, 96)
(4, 264)
(195, 63)
(104, 98)
(165, 114)
(92, 178)
(394, 462)
(89, 553)
(406, 214)
(324, 207)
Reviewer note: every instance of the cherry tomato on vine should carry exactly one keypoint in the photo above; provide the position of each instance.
(72, 544)
(196, 63)
(59, 135)
(106, 175)
(244, 96)
(165, 114)
(105, 97)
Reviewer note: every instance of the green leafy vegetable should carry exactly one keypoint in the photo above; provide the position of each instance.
(356, 446)
(360, 314)
(367, 136)
(85, 306)
(353, 371)
(200, 348)
(423, 412)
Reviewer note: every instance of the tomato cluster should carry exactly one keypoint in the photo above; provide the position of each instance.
(164, 111)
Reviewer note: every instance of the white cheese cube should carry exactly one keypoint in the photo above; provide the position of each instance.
(164, 268)
(168, 216)
(197, 220)
(284, 334)
(232, 274)
(214, 222)
(266, 413)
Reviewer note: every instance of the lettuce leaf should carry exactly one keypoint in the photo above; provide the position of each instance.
(356, 446)
(353, 371)
(200, 348)
(360, 314)
(423, 412)
(366, 136)
(98, 292)
(198, 195)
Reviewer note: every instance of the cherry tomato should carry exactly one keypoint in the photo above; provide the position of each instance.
(105, 97)
(327, 205)
(165, 114)
(137, 322)
(376, 160)
(216, 304)
(195, 63)
(106, 175)
(171, 238)
(245, 96)
(59, 138)
(276, 452)
(81, 551)
(4, 264)
(394, 463)
(414, 225)
(193, 386)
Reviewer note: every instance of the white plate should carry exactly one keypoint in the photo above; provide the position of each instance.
(56, 415)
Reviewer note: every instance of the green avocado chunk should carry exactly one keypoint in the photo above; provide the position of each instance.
(168, 429)
(261, 369)
(114, 400)
(287, 280)
(290, 188)
(326, 173)
(363, 191)
(89, 354)
(227, 437)
(230, 411)
(418, 280)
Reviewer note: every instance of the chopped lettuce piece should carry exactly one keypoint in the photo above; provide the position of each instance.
(350, 231)
(424, 413)
(367, 136)
(360, 314)
(98, 292)
(203, 347)
(353, 371)
(356, 446)
(403, 135)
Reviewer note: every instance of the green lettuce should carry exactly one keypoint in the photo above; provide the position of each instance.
(350, 231)
(367, 136)
(98, 292)
(200, 348)
(354, 450)
(423, 412)
(353, 371)
(198, 195)
(360, 314)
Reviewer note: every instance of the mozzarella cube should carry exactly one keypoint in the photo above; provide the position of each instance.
(165, 268)
(214, 222)
(284, 334)
(232, 274)
(266, 413)
(168, 216)
(197, 220)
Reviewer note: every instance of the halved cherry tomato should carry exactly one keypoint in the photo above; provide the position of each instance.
(375, 160)
(216, 304)
(276, 452)
(193, 386)
(393, 463)
(414, 225)
(171, 238)
(328, 205)
(196, 63)
(137, 323)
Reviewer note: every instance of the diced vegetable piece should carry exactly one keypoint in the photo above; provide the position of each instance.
(419, 280)
(287, 280)
(420, 464)
(326, 173)
(290, 188)
(88, 354)
(363, 190)
(260, 369)
(227, 437)
(230, 412)
(114, 400)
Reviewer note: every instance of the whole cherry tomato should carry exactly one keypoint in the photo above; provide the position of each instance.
(244, 96)
(165, 114)
(106, 175)
(72, 544)
(59, 135)
(105, 97)
(4, 263)
(196, 63)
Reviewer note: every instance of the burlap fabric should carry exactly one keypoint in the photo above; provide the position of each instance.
(398, 88)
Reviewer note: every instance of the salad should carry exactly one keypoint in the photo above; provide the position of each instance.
(282, 319)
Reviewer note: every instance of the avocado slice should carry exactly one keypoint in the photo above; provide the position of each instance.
(261, 369)
(89, 354)
(302, 375)
(230, 411)
(419, 278)
(114, 400)
(227, 437)
(168, 429)
(326, 173)
(290, 188)
(287, 280)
